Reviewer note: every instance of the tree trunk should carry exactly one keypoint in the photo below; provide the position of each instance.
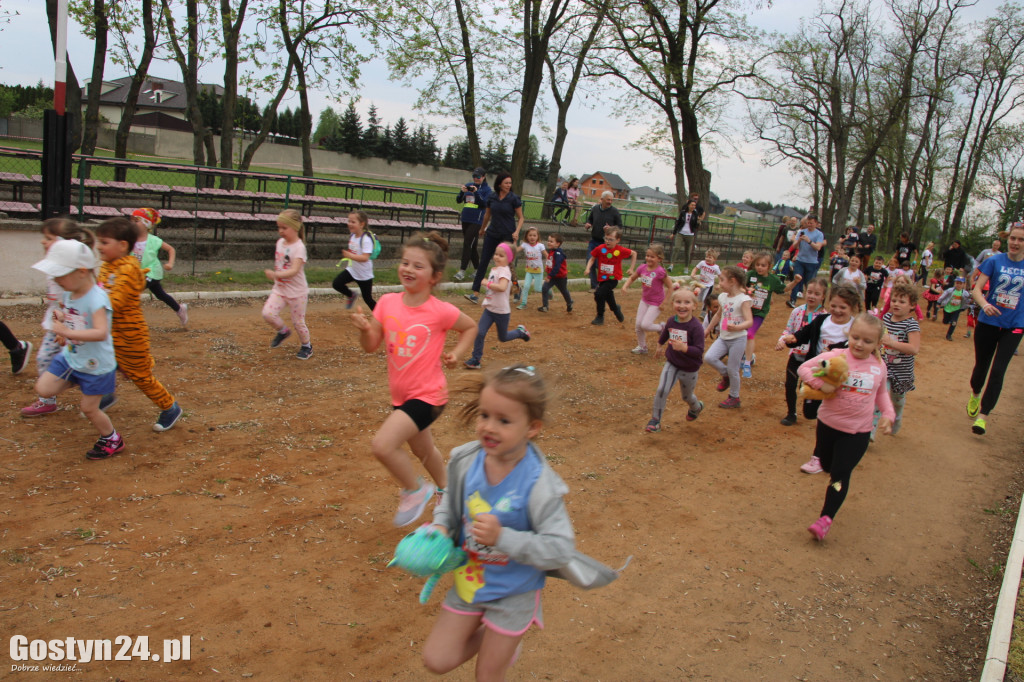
(469, 105)
(131, 104)
(229, 101)
(269, 116)
(99, 59)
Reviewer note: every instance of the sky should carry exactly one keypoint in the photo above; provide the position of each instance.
(598, 139)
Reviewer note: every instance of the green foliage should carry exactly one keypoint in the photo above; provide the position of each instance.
(328, 127)
(25, 101)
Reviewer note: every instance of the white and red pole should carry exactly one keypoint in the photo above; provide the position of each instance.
(60, 54)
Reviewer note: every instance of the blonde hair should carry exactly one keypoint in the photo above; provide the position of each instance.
(658, 250)
(529, 230)
(293, 219)
(434, 245)
(711, 252)
(517, 382)
(65, 228)
(876, 324)
(612, 231)
(766, 257)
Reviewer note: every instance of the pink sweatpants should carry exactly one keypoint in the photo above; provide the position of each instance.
(272, 313)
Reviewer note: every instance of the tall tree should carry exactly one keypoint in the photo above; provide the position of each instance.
(92, 16)
(232, 17)
(136, 62)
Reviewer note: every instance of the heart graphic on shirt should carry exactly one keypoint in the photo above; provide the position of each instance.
(404, 344)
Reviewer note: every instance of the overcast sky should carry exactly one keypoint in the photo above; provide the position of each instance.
(597, 138)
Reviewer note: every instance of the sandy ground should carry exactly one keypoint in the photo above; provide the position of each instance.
(260, 525)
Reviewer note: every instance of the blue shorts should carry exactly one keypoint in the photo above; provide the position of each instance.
(91, 384)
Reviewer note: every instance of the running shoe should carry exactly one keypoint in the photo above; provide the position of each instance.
(723, 385)
(305, 352)
(812, 466)
(730, 403)
(599, 320)
(350, 301)
(472, 364)
(459, 276)
(472, 298)
(168, 418)
(819, 529)
(280, 337)
(653, 426)
(639, 350)
(542, 309)
(38, 408)
(20, 356)
(568, 309)
(524, 331)
(183, 314)
(106, 447)
(973, 406)
(618, 313)
(788, 420)
(692, 415)
(411, 504)
(746, 371)
(979, 426)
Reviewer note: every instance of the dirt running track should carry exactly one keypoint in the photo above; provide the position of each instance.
(260, 525)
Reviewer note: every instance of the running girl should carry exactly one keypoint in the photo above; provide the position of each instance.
(734, 317)
(289, 278)
(497, 310)
(533, 250)
(708, 273)
(413, 325)
(901, 341)
(1000, 325)
(802, 315)
(683, 340)
(655, 287)
(761, 284)
(844, 422)
(360, 267)
(147, 249)
(935, 288)
(852, 276)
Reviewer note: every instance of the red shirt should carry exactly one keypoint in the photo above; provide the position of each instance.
(608, 261)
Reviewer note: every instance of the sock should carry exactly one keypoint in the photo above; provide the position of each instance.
(114, 436)
(49, 401)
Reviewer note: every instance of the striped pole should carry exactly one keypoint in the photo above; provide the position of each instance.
(61, 58)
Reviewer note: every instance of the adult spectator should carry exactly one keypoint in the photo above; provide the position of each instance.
(560, 202)
(955, 257)
(810, 242)
(906, 250)
(474, 195)
(600, 216)
(503, 219)
(988, 253)
(850, 240)
(1000, 325)
(867, 242)
(685, 231)
(781, 242)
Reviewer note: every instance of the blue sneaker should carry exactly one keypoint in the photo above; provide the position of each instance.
(746, 370)
(168, 418)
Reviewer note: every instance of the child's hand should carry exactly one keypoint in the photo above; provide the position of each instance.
(885, 426)
(270, 274)
(168, 266)
(828, 389)
(680, 346)
(60, 330)
(626, 285)
(360, 320)
(449, 359)
(58, 315)
(788, 339)
(486, 529)
(586, 272)
(346, 253)
(781, 345)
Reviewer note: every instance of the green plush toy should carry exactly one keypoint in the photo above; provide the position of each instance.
(427, 553)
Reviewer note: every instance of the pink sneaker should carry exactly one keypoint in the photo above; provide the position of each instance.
(812, 466)
(38, 409)
(723, 385)
(730, 403)
(412, 503)
(819, 529)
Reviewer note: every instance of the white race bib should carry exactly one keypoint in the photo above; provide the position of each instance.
(607, 268)
(677, 335)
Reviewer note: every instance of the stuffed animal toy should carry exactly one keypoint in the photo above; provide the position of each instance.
(427, 553)
(833, 371)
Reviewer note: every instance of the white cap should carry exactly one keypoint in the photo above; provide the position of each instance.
(66, 256)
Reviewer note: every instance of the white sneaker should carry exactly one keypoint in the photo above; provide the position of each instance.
(412, 503)
(639, 350)
(812, 466)
(459, 276)
(183, 314)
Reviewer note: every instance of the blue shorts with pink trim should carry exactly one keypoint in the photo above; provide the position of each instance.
(752, 329)
(510, 616)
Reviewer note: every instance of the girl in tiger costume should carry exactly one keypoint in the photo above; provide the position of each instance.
(124, 280)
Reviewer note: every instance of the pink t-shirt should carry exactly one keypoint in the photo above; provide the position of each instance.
(413, 341)
(497, 301)
(284, 255)
(652, 291)
(853, 407)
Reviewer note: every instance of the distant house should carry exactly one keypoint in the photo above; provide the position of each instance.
(592, 186)
(159, 100)
(651, 195)
(781, 212)
(742, 211)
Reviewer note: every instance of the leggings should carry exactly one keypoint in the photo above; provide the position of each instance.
(500, 320)
(734, 349)
(470, 235)
(272, 313)
(993, 347)
(871, 297)
(8, 338)
(684, 242)
(560, 283)
(950, 318)
(899, 401)
(839, 452)
(606, 294)
(646, 314)
(487, 253)
(157, 288)
(792, 382)
(670, 374)
(48, 350)
(933, 309)
(533, 280)
(365, 287)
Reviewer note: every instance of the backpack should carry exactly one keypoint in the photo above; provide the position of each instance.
(376, 244)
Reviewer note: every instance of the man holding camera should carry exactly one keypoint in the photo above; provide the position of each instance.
(474, 194)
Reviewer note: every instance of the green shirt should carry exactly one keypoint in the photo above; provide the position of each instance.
(148, 253)
(761, 288)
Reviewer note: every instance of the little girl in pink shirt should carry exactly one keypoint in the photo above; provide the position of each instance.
(844, 421)
(655, 288)
(413, 325)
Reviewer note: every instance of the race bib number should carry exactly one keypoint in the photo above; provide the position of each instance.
(760, 296)
(607, 269)
(860, 382)
(677, 335)
(1008, 291)
(646, 280)
(550, 263)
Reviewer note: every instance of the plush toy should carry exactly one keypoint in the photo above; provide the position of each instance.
(427, 553)
(833, 371)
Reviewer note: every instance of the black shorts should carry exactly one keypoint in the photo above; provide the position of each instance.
(422, 414)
